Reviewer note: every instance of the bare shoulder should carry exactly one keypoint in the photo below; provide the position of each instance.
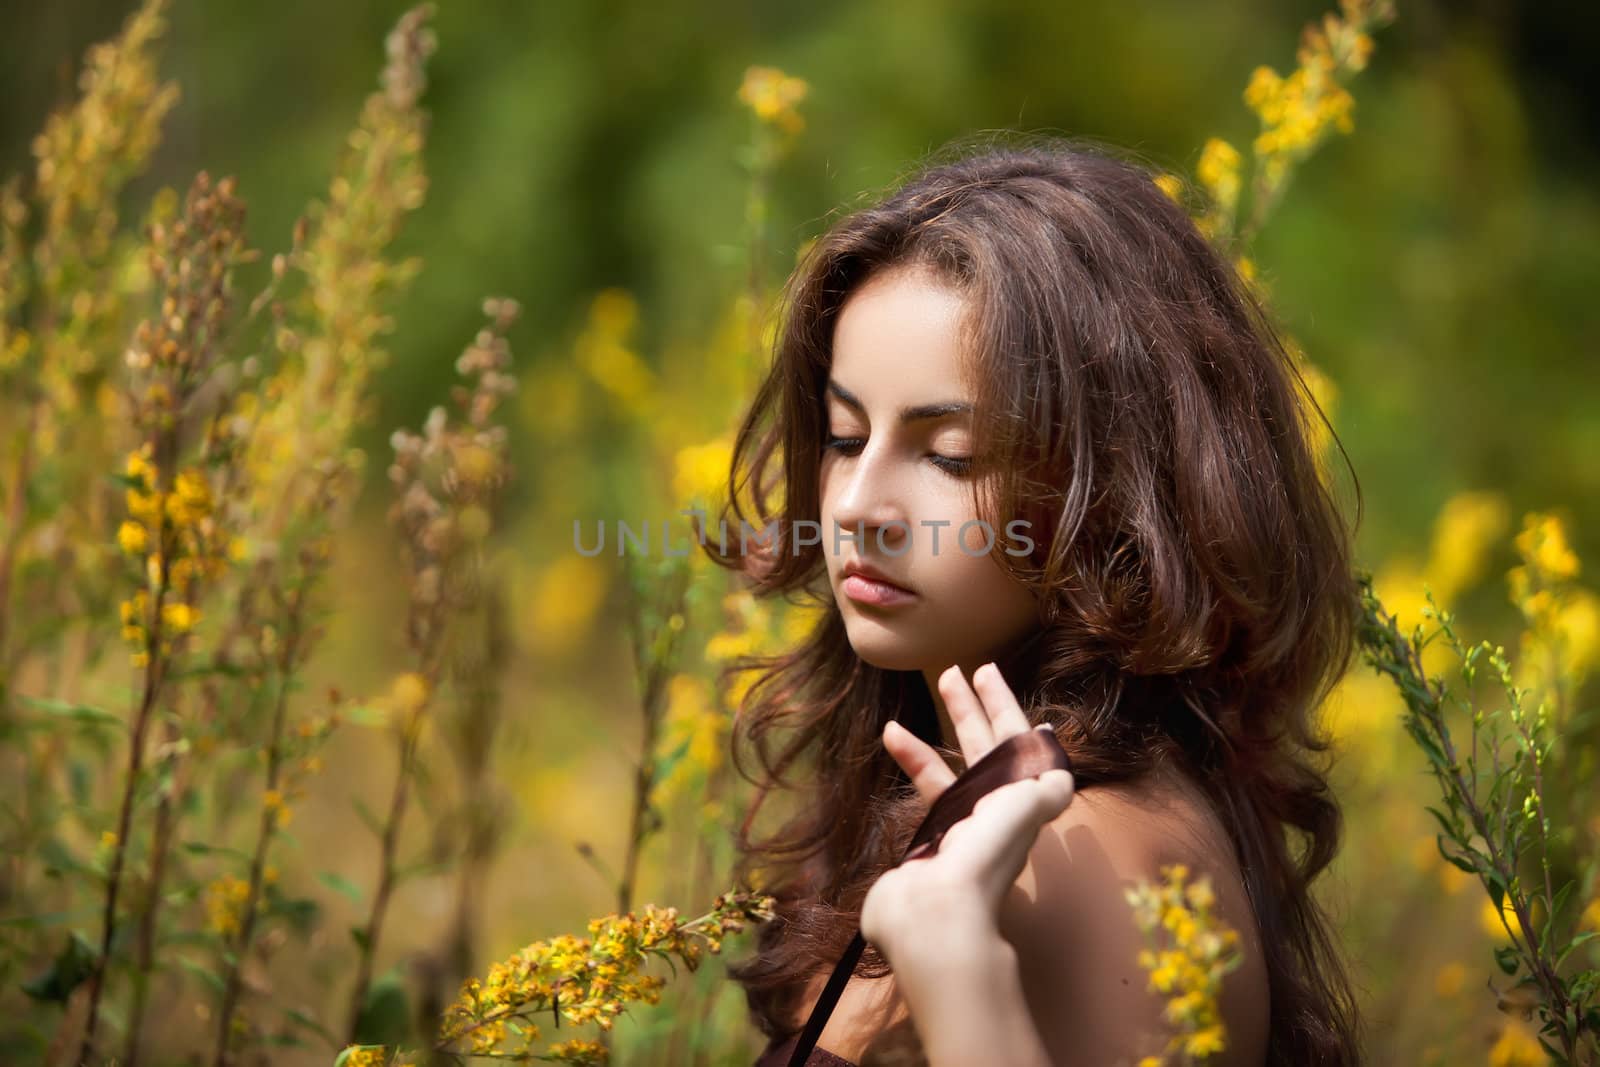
(1073, 930)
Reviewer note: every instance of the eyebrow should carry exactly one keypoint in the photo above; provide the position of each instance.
(907, 414)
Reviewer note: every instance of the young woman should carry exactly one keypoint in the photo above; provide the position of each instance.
(1038, 339)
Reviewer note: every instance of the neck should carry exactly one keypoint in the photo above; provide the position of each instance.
(1013, 661)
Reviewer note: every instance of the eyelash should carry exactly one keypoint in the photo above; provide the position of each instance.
(948, 464)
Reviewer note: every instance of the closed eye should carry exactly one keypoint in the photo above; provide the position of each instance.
(954, 465)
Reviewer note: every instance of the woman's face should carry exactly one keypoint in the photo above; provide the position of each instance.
(901, 482)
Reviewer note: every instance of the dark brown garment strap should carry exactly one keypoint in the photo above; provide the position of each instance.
(1025, 755)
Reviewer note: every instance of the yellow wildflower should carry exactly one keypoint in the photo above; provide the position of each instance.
(1218, 171)
(1451, 977)
(589, 980)
(1516, 1047)
(273, 801)
(578, 1050)
(1204, 1042)
(562, 600)
(701, 474)
(140, 469)
(694, 724)
(131, 537)
(772, 95)
(409, 692)
(225, 900)
(604, 352)
(190, 499)
(1562, 641)
(178, 618)
(1190, 968)
(1543, 543)
(1467, 527)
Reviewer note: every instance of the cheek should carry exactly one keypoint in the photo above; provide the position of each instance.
(973, 585)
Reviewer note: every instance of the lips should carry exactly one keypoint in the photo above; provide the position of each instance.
(873, 574)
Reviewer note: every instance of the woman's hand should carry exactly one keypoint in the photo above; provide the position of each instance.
(957, 891)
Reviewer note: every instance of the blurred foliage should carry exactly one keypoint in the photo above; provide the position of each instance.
(637, 180)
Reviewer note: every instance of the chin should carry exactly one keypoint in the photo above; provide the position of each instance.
(884, 649)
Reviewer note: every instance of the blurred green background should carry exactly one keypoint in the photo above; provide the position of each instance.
(1440, 265)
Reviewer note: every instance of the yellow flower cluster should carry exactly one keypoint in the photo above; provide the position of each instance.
(225, 900)
(590, 979)
(1562, 641)
(1218, 171)
(273, 801)
(605, 351)
(299, 759)
(578, 1050)
(1517, 1047)
(1499, 923)
(1191, 950)
(700, 472)
(371, 1056)
(173, 531)
(755, 628)
(772, 95)
(692, 731)
(84, 157)
(1296, 112)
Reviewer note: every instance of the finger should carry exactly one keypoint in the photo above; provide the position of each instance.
(967, 714)
(995, 838)
(922, 764)
(1006, 717)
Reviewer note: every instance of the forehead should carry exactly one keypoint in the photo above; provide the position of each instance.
(897, 337)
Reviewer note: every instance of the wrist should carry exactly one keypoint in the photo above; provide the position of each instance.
(968, 1005)
(957, 950)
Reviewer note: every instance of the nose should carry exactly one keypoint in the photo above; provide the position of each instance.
(869, 495)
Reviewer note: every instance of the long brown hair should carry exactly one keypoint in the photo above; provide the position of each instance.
(1138, 408)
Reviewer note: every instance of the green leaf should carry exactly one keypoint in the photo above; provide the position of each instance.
(1497, 888)
(200, 848)
(205, 975)
(1506, 957)
(81, 714)
(340, 884)
(80, 782)
(666, 764)
(1431, 748)
(49, 918)
(366, 715)
(1586, 936)
(1459, 861)
(310, 1023)
(1555, 910)
(367, 817)
(301, 913)
(58, 858)
(385, 1018)
(421, 867)
(72, 965)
